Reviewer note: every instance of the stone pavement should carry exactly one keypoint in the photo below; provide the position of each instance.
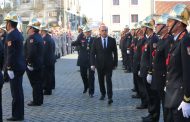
(68, 104)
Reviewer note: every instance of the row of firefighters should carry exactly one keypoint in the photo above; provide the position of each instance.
(36, 56)
(157, 51)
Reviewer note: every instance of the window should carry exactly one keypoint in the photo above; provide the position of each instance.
(52, 14)
(25, 1)
(134, 2)
(134, 17)
(115, 2)
(116, 18)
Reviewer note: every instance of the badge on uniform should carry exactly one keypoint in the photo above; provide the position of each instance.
(31, 40)
(154, 45)
(188, 50)
(9, 43)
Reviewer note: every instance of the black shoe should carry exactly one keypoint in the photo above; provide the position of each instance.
(151, 119)
(135, 96)
(15, 119)
(110, 101)
(134, 90)
(142, 107)
(91, 95)
(33, 104)
(85, 90)
(47, 92)
(102, 97)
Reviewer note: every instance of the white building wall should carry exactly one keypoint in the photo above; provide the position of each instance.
(125, 9)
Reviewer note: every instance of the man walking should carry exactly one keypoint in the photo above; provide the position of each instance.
(104, 56)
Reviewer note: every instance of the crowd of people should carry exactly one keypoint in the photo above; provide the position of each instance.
(155, 50)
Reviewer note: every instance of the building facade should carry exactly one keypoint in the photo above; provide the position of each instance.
(62, 13)
(118, 13)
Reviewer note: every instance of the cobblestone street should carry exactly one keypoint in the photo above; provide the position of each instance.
(68, 104)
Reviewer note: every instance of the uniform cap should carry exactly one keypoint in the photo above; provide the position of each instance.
(34, 23)
(11, 16)
(180, 13)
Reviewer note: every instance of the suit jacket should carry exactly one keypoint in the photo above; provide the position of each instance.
(104, 58)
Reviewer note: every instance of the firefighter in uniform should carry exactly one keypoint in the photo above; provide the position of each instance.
(87, 73)
(159, 55)
(139, 55)
(146, 68)
(2, 32)
(127, 50)
(177, 97)
(49, 59)
(136, 58)
(15, 65)
(89, 42)
(34, 60)
(79, 38)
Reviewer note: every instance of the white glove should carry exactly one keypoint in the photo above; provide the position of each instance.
(149, 78)
(139, 73)
(165, 89)
(92, 68)
(128, 51)
(185, 109)
(11, 74)
(2, 72)
(30, 68)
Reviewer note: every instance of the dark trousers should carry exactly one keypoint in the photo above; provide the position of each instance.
(143, 91)
(48, 78)
(17, 95)
(176, 116)
(102, 74)
(136, 80)
(91, 79)
(53, 77)
(83, 72)
(154, 104)
(35, 78)
(1, 85)
(128, 62)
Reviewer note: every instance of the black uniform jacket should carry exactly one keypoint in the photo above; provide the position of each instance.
(34, 51)
(178, 78)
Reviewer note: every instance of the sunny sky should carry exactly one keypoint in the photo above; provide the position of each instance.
(92, 8)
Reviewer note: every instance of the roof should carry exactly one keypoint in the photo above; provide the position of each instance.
(165, 6)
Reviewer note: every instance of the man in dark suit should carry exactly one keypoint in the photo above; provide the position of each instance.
(104, 56)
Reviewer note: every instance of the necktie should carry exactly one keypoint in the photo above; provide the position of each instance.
(104, 43)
